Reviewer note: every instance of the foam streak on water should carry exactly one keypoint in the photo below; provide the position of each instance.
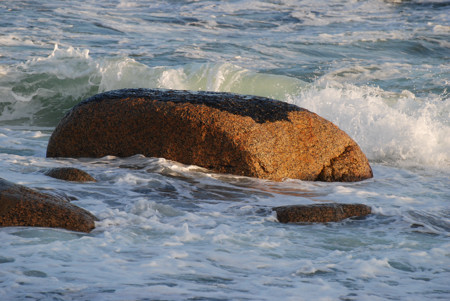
(166, 231)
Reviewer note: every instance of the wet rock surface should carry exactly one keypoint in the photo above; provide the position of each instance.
(22, 206)
(224, 132)
(320, 213)
(70, 174)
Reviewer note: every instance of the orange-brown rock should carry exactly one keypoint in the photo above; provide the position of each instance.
(22, 206)
(227, 133)
(69, 174)
(320, 213)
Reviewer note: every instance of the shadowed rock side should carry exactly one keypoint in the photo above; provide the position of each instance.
(320, 213)
(227, 133)
(22, 206)
(70, 174)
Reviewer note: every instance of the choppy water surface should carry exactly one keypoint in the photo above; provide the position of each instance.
(377, 69)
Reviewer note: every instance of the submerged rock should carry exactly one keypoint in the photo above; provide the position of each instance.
(320, 213)
(70, 174)
(227, 133)
(22, 206)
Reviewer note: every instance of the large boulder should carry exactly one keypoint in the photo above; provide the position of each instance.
(320, 213)
(22, 206)
(227, 133)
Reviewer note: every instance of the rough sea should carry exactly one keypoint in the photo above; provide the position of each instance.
(379, 70)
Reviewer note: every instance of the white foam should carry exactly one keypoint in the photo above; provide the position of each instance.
(16, 40)
(441, 29)
(146, 208)
(127, 4)
(389, 127)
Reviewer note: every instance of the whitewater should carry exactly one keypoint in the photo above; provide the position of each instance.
(379, 70)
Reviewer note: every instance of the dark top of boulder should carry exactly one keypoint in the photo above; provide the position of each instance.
(260, 109)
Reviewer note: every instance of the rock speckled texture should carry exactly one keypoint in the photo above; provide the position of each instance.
(70, 174)
(320, 213)
(22, 206)
(227, 133)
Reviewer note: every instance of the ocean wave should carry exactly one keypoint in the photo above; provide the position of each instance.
(41, 90)
(389, 126)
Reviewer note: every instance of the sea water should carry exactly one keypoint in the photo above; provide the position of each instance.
(379, 70)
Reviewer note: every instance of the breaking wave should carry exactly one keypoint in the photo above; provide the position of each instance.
(389, 126)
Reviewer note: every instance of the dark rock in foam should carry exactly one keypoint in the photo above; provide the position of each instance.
(70, 174)
(22, 206)
(227, 133)
(320, 213)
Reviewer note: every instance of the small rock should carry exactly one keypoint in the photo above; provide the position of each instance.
(320, 213)
(70, 174)
(22, 206)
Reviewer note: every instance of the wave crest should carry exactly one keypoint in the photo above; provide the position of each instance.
(40, 91)
(389, 126)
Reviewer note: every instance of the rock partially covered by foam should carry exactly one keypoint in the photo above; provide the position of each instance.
(320, 213)
(22, 206)
(224, 132)
(69, 174)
